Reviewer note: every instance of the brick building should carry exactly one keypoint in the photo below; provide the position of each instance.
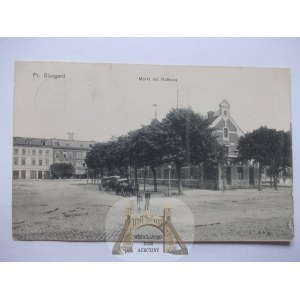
(202, 176)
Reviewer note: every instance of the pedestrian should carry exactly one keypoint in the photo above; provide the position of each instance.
(147, 200)
(139, 200)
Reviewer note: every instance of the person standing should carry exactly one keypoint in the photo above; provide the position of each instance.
(147, 200)
(139, 200)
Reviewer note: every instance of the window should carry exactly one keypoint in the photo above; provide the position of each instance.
(16, 151)
(33, 161)
(43, 143)
(78, 163)
(23, 151)
(23, 174)
(16, 161)
(47, 161)
(56, 154)
(65, 154)
(40, 152)
(56, 143)
(15, 174)
(225, 132)
(78, 154)
(91, 146)
(32, 174)
(23, 161)
(47, 152)
(40, 162)
(33, 152)
(70, 155)
(83, 154)
(240, 173)
(83, 164)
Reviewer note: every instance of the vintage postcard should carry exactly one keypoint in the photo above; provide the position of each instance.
(151, 153)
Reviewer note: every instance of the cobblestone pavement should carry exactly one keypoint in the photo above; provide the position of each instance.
(74, 211)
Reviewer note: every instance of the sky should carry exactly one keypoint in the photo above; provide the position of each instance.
(98, 101)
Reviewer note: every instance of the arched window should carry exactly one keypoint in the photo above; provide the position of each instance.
(225, 132)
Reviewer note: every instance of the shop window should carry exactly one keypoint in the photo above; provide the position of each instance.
(240, 172)
(32, 174)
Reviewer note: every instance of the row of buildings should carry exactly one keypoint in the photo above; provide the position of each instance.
(32, 157)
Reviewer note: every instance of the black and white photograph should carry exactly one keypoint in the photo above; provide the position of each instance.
(129, 153)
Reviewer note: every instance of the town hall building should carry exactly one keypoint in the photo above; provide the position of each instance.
(232, 175)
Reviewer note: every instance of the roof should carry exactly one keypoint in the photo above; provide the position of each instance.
(224, 103)
(28, 141)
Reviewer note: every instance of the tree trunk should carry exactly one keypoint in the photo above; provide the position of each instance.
(135, 176)
(223, 179)
(275, 181)
(179, 178)
(271, 180)
(144, 171)
(153, 169)
(259, 177)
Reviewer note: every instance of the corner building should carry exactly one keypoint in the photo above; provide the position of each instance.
(32, 158)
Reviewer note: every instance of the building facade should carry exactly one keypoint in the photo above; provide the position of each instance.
(32, 158)
(72, 151)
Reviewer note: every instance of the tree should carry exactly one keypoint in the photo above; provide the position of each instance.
(96, 159)
(62, 170)
(267, 147)
(147, 147)
(281, 155)
(188, 139)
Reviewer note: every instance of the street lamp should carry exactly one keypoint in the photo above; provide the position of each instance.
(169, 189)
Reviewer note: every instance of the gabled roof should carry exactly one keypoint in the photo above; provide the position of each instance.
(224, 103)
(220, 117)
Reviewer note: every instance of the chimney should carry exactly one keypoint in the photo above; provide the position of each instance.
(210, 116)
(70, 136)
